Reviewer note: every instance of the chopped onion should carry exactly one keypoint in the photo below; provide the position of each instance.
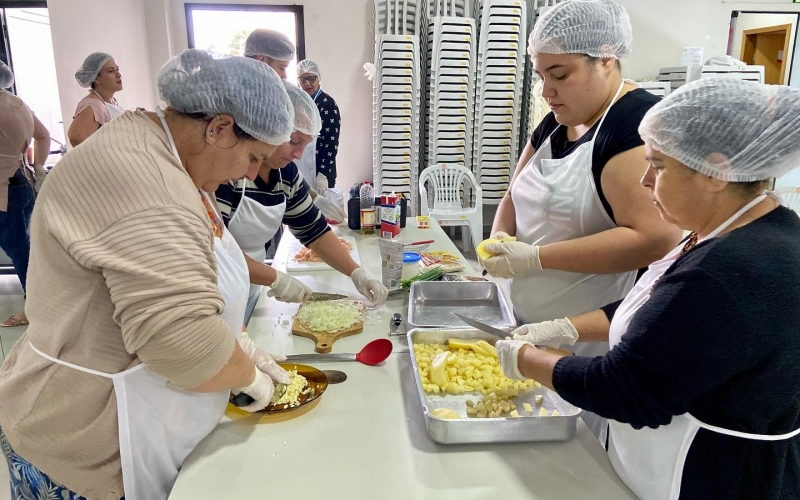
(330, 315)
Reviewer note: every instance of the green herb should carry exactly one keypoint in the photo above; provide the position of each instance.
(431, 274)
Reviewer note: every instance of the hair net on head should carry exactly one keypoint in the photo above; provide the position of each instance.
(6, 76)
(269, 43)
(91, 68)
(308, 66)
(306, 114)
(756, 127)
(597, 28)
(248, 90)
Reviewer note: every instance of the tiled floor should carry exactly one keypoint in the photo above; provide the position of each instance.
(10, 302)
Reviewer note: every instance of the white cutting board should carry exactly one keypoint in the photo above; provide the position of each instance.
(299, 267)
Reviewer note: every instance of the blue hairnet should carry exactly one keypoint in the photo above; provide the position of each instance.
(248, 90)
(91, 68)
(269, 43)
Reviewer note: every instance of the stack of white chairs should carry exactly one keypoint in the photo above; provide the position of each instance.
(498, 94)
(398, 17)
(448, 8)
(661, 89)
(449, 91)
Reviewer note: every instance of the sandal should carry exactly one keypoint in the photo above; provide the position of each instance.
(15, 320)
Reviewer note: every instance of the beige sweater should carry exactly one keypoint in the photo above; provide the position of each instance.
(122, 272)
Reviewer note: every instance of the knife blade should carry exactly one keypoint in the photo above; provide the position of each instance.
(321, 296)
(483, 326)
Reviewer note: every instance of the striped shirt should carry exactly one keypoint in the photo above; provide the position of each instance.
(305, 221)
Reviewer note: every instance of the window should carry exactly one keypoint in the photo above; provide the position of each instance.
(28, 49)
(223, 28)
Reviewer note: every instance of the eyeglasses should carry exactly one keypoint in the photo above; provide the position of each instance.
(306, 79)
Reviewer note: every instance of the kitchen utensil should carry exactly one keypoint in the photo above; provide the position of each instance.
(317, 383)
(395, 323)
(321, 296)
(335, 376)
(482, 326)
(372, 354)
(324, 340)
(432, 303)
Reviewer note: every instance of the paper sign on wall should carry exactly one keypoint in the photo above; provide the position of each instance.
(692, 56)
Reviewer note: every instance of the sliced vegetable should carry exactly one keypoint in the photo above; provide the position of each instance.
(431, 274)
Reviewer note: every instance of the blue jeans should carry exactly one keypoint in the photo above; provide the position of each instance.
(15, 224)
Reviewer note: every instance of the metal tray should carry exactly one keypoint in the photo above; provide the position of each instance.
(489, 430)
(432, 304)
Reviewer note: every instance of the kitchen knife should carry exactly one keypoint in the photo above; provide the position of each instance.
(483, 326)
(320, 296)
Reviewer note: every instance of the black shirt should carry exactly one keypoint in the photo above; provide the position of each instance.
(719, 338)
(328, 140)
(620, 133)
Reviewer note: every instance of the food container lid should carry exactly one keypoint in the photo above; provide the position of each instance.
(411, 257)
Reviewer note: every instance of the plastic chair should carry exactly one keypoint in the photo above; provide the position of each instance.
(791, 197)
(448, 209)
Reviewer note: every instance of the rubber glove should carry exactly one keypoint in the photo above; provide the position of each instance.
(260, 389)
(264, 361)
(508, 353)
(288, 289)
(40, 176)
(499, 235)
(370, 288)
(329, 209)
(321, 184)
(513, 257)
(548, 333)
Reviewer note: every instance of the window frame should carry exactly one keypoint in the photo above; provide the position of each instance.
(297, 10)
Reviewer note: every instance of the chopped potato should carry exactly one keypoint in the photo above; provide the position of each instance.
(527, 407)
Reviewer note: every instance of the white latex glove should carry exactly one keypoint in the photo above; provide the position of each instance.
(40, 176)
(548, 333)
(288, 289)
(370, 288)
(499, 235)
(264, 361)
(329, 209)
(321, 184)
(260, 389)
(508, 353)
(513, 257)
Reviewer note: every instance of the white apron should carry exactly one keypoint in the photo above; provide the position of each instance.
(557, 200)
(307, 164)
(651, 461)
(114, 108)
(253, 225)
(152, 447)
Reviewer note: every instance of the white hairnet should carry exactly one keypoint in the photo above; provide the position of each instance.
(269, 43)
(756, 127)
(306, 114)
(308, 66)
(250, 91)
(91, 68)
(6, 76)
(597, 28)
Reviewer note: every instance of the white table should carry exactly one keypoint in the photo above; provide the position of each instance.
(366, 438)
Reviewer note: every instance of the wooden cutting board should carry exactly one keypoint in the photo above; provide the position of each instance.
(324, 340)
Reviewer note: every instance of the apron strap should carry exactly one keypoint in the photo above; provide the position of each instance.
(745, 435)
(70, 365)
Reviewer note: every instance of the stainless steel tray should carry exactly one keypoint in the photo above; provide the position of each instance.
(489, 430)
(432, 304)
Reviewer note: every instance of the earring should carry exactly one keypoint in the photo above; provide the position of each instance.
(211, 133)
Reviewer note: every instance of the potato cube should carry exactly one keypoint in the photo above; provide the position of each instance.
(481, 406)
(527, 407)
(538, 399)
(543, 412)
(470, 403)
(472, 412)
(514, 414)
(556, 414)
(482, 414)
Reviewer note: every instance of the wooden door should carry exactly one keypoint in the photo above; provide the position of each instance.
(768, 47)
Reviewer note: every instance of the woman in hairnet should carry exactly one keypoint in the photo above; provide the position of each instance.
(327, 146)
(700, 388)
(582, 222)
(270, 47)
(137, 294)
(17, 125)
(100, 74)
(254, 210)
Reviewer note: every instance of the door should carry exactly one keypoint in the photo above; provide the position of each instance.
(768, 47)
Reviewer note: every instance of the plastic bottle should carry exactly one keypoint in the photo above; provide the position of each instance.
(367, 195)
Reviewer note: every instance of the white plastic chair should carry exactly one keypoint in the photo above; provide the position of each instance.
(791, 197)
(448, 209)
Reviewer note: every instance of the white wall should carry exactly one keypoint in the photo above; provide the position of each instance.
(80, 27)
(755, 21)
(339, 36)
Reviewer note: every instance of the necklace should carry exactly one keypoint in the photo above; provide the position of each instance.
(216, 224)
(691, 242)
